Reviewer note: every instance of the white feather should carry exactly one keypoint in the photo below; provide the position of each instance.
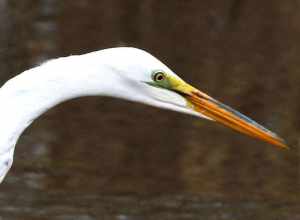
(117, 72)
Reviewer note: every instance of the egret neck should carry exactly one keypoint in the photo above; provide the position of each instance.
(28, 95)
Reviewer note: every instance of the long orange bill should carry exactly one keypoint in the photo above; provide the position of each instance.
(219, 112)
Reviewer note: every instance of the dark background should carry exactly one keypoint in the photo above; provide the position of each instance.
(102, 158)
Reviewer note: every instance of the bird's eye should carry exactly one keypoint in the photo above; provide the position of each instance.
(158, 76)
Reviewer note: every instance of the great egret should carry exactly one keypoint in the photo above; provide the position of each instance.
(126, 73)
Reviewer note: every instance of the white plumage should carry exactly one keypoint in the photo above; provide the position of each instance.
(126, 73)
(117, 72)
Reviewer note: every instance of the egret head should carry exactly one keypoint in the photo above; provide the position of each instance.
(151, 82)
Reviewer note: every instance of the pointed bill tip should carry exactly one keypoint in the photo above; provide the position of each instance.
(281, 144)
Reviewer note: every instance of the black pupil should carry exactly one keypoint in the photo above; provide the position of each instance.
(159, 77)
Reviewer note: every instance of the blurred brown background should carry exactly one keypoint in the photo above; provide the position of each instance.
(102, 158)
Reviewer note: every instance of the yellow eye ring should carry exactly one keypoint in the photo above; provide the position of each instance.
(158, 76)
